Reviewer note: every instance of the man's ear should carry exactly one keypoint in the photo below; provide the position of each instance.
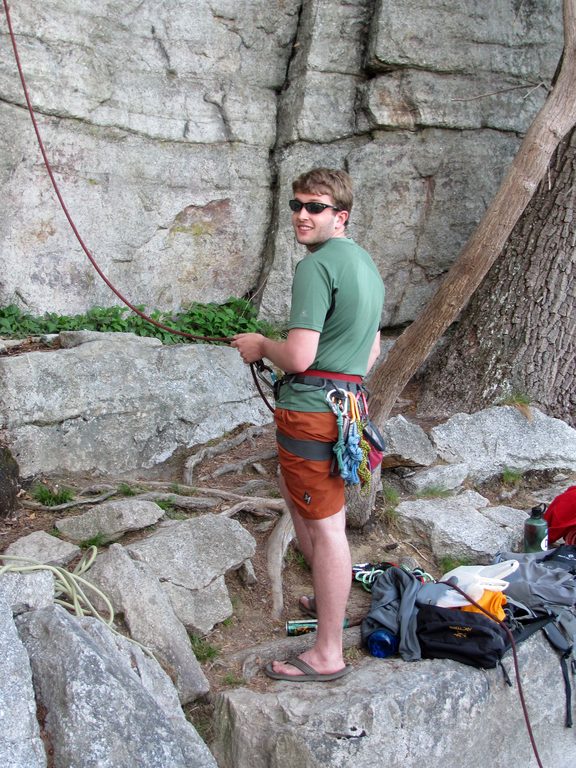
(345, 216)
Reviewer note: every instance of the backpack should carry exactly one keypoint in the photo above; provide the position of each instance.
(470, 638)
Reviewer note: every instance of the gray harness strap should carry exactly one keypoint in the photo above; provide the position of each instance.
(313, 450)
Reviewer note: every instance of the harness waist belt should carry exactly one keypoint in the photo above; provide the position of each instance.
(313, 450)
(352, 377)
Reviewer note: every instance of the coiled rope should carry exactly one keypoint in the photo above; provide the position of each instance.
(71, 588)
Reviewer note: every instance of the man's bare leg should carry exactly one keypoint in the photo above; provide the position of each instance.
(331, 575)
(304, 540)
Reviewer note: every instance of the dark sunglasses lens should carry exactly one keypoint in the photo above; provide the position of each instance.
(296, 206)
(315, 207)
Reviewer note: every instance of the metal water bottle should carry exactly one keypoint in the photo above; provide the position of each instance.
(536, 530)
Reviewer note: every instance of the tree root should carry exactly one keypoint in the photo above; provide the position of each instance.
(238, 466)
(215, 450)
(276, 547)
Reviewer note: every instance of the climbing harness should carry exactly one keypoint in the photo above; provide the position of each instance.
(359, 447)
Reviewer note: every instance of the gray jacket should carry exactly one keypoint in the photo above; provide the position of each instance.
(394, 608)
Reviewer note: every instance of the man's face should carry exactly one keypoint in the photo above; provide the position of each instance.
(313, 229)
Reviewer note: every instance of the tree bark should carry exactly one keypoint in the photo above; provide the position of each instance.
(555, 119)
(518, 334)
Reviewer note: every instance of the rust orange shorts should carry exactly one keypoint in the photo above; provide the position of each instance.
(315, 492)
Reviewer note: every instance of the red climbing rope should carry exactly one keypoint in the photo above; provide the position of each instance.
(224, 340)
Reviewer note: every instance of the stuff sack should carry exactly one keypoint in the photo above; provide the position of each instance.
(470, 638)
(561, 517)
(376, 445)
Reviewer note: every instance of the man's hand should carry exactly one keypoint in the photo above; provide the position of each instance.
(250, 346)
(292, 355)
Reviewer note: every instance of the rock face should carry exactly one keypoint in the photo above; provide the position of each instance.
(110, 403)
(174, 130)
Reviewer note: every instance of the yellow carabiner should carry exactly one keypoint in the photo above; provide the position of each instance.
(353, 409)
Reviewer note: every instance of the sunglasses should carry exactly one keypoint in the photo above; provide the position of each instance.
(314, 208)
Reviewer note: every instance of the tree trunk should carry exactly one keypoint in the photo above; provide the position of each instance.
(553, 122)
(517, 338)
(555, 119)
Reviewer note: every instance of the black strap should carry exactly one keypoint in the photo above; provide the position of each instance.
(313, 450)
(558, 641)
(320, 382)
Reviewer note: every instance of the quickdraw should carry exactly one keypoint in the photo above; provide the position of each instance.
(351, 449)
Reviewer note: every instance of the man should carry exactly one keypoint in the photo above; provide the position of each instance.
(333, 340)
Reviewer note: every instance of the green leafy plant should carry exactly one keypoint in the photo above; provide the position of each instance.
(293, 556)
(232, 680)
(390, 498)
(516, 398)
(202, 649)
(126, 490)
(448, 563)
(51, 497)
(166, 504)
(235, 315)
(390, 495)
(176, 514)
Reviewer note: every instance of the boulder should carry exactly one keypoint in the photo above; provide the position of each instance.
(136, 593)
(110, 520)
(20, 742)
(463, 527)
(500, 438)
(98, 712)
(42, 547)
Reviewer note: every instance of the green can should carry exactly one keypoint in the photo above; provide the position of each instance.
(303, 626)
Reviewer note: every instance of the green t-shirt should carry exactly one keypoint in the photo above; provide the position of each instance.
(338, 291)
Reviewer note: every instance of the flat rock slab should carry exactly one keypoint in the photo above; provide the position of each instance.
(499, 438)
(42, 547)
(111, 520)
(393, 714)
(192, 553)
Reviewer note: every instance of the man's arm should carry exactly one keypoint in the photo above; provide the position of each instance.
(293, 355)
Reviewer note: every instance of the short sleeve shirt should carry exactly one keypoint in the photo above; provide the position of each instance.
(337, 291)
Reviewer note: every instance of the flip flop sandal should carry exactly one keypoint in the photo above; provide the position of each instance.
(309, 674)
(309, 608)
